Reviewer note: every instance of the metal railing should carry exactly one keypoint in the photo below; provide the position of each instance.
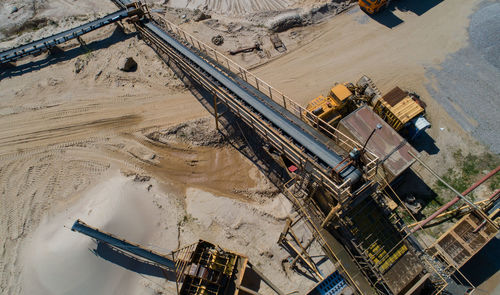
(272, 136)
(340, 139)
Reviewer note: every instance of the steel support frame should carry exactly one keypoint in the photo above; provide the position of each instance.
(278, 141)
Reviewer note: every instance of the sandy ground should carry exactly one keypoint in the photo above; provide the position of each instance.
(77, 137)
(232, 7)
(59, 261)
(81, 139)
(470, 93)
(243, 26)
(60, 131)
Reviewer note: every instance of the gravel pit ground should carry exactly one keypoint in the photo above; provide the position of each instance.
(59, 261)
(467, 82)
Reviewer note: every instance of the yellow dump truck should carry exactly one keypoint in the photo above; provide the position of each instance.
(373, 6)
(401, 110)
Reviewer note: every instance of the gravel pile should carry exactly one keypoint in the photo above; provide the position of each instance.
(198, 132)
(468, 80)
(484, 32)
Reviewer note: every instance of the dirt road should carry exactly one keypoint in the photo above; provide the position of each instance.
(391, 52)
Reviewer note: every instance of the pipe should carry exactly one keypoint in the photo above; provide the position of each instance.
(456, 199)
(459, 209)
(492, 215)
(489, 199)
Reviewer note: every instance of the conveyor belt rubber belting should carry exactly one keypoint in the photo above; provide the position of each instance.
(262, 107)
(49, 42)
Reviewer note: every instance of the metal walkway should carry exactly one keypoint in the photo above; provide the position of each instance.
(49, 42)
(123, 245)
(262, 106)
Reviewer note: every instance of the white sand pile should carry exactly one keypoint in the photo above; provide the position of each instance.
(59, 261)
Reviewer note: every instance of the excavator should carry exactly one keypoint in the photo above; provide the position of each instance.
(373, 6)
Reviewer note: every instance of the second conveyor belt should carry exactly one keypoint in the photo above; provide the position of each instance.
(49, 42)
(122, 244)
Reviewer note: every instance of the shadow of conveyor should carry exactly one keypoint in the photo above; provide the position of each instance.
(132, 263)
(244, 139)
(387, 17)
(237, 133)
(58, 55)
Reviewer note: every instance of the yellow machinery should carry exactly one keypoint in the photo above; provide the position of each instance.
(373, 6)
(333, 107)
(398, 108)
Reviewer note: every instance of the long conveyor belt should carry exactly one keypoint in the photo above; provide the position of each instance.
(261, 104)
(301, 135)
(123, 245)
(49, 42)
